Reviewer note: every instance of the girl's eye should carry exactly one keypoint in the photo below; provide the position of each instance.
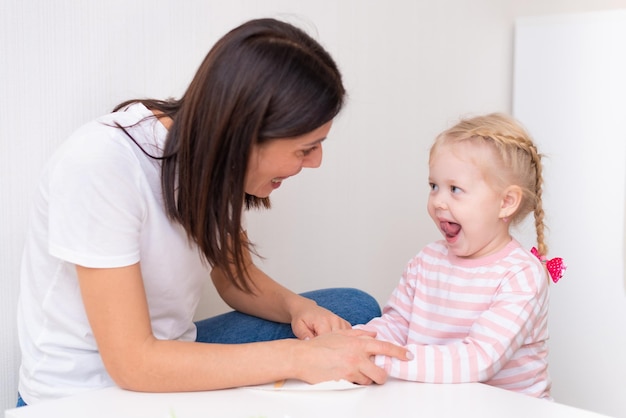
(454, 189)
(433, 187)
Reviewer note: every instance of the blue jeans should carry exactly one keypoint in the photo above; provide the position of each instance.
(353, 305)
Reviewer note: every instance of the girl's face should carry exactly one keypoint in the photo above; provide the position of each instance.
(466, 209)
(275, 160)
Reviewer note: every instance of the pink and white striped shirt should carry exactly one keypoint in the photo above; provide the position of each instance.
(470, 320)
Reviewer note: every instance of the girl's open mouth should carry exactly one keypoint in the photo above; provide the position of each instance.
(450, 229)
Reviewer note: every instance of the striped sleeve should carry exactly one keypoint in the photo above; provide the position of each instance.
(394, 323)
(466, 324)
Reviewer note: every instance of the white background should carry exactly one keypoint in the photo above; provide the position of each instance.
(411, 69)
(569, 89)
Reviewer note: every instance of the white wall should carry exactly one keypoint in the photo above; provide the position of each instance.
(569, 90)
(411, 68)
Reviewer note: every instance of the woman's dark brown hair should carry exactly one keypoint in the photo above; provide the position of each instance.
(263, 80)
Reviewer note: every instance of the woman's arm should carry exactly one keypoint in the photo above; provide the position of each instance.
(117, 309)
(274, 302)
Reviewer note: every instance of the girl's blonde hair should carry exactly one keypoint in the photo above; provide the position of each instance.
(518, 161)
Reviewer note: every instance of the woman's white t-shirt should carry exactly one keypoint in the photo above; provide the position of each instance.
(99, 204)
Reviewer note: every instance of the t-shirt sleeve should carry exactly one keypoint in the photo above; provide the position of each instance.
(96, 207)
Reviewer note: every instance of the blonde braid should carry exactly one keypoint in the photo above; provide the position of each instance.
(542, 247)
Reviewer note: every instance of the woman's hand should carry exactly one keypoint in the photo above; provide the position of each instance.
(274, 302)
(117, 309)
(348, 355)
(309, 320)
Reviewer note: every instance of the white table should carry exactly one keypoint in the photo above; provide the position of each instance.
(394, 399)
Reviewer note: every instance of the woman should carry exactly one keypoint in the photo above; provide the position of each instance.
(138, 208)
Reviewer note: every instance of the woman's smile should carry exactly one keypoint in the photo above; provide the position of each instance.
(275, 160)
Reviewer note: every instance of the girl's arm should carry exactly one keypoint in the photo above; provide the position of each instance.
(394, 323)
(493, 339)
(117, 309)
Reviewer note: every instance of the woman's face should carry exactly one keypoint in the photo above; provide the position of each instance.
(275, 160)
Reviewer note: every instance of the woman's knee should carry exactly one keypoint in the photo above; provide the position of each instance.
(20, 402)
(353, 305)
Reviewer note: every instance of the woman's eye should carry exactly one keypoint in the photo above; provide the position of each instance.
(308, 151)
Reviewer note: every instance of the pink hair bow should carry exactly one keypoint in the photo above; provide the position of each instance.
(555, 265)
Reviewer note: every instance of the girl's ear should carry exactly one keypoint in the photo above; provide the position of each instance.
(511, 199)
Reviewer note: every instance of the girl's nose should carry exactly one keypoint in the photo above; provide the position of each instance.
(438, 201)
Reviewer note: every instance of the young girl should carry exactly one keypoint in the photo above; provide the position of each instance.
(473, 307)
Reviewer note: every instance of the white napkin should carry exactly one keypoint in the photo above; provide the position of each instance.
(298, 385)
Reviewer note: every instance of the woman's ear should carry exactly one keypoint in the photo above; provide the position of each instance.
(511, 200)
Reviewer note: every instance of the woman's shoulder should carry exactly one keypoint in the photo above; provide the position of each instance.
(129, 116)
(110, 137)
